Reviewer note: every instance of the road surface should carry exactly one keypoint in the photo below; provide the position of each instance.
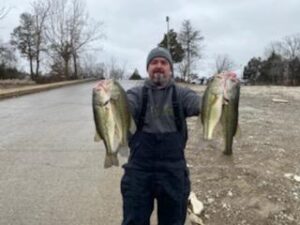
(51, 170)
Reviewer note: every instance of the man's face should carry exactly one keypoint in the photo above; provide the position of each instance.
(159, 71)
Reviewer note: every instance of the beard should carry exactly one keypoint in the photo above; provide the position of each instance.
(160, 79)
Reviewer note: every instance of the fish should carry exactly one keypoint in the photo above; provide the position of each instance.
(112, 118)
(212, 102)
(220, 106)
(230, 111)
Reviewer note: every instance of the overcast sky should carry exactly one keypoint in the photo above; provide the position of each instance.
(240, 28)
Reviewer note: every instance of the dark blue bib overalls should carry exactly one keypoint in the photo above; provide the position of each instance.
(156, 169)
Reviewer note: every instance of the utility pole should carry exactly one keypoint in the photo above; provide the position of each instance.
(168, 38)
(188, 61)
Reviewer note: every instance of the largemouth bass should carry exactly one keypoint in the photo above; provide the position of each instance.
(220, 105)
(212, 105)
(230, 111)
(112, 118)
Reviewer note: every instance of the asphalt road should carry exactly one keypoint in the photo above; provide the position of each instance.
(51, 170)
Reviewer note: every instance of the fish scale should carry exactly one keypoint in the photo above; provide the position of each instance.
(112, 118)
(212, 106)
(220, 105)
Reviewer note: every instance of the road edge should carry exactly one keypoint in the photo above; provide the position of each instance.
(39, 88)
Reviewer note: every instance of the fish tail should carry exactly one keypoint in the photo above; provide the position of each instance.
(115, 160)
(209, 134)
(111, 160)
(228, 150)
(228, 145)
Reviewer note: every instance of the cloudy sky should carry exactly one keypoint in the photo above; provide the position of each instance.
(239, 28)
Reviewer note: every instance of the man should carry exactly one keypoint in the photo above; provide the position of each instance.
(156, 167)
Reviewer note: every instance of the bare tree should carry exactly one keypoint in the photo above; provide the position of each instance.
(7, 55)
(3, 12)
(272, 48)
(116, 71)
(41, 11)
(190, 40)
(289, 49)
(82, 32)
(69, 31)
(23, 37)
(223, 63)
(182, 69)
(29, 35)
(290, 46)
(57, 34)
(92, 68)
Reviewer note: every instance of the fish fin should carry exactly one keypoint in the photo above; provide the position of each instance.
(115, 160)
(214, 100)
(117, 136)
(117, 131)
(238, 133)
(111, 160)
(218, 132)
(97, 137)
(227, 152)
(210, 130)
(132, 128)
(124, 151)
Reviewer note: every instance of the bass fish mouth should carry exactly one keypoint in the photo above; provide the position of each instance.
(226, 100)
(104, 103)
(233, 78)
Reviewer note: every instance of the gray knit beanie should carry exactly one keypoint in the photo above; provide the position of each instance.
(160, 52)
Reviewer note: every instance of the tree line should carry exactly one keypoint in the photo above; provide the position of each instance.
(54, 34)
(186, 47)
(59, 35)
(281, 66)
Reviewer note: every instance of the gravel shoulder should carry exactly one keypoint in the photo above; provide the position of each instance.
(259, 183)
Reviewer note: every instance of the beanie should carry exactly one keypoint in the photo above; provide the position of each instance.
(160, 52)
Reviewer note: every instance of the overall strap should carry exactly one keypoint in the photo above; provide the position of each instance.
(143, 109)
(177, 110)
